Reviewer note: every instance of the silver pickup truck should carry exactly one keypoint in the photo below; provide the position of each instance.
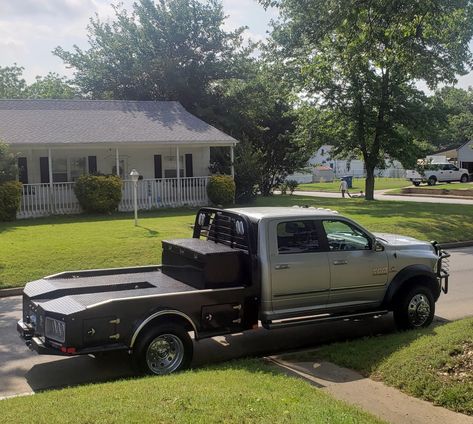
(279, 266)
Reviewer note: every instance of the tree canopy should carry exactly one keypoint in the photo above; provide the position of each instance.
(168, 50)
(358, 63)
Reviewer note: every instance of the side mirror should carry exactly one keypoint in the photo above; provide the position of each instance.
(378, 247)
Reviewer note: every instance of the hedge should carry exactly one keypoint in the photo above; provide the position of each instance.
(10, 198)
(99, 193)
(221, 190)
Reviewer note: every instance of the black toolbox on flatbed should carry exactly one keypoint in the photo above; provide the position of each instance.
(203, 264)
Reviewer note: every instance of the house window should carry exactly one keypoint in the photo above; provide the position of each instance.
(78, 167)
(59, 170)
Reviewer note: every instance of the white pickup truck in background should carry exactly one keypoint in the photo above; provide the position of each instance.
(437, 172)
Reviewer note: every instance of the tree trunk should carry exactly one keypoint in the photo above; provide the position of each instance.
(369, 182)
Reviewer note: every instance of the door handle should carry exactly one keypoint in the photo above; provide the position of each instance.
(282, 266)
(340, 262)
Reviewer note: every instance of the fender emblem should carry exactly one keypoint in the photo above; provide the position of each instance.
(382, 270)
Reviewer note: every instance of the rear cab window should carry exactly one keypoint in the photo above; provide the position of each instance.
(298, 236)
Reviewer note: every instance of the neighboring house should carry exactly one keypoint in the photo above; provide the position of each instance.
(465, 156)
(342, 167)
(59, 140)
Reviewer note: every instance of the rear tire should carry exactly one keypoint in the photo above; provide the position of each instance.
(163, 349)
(416, 183)
(414, 308)
(431, 181)
(464, 178)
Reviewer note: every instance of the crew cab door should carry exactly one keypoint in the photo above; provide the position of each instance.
(300, 273)
(358, 273)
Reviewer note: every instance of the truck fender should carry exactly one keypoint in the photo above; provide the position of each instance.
(409, 272)
(163, 313)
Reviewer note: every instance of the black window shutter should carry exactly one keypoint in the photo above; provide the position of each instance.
(158, 166)
(44, 169)
(189, 167)
(92, 164)
(23, 170)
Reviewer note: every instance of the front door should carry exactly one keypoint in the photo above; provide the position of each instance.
(358, 273)
(300, 274)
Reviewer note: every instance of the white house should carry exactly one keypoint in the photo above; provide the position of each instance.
(59, 140)
(465, 156)
(341, 167)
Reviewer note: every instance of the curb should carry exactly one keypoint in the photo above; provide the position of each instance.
(456, 244)
(18, 291)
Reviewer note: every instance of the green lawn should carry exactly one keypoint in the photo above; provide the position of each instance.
(246, 391)
(30, 249)
(434, 364)
(358, 184)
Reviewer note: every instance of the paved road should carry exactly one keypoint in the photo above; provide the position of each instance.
(22, 371)
(381, 195)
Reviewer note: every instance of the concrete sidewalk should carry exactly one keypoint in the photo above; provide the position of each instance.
(380, 400)
(382, 195)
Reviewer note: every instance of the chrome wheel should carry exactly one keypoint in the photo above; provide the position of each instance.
(418, 310)
(165, 354)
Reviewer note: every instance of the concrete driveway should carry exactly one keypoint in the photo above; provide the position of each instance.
(23, 371)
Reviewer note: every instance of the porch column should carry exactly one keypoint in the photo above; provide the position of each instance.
(178, 170)
(50, 171)
(232, 159)
(117, 162)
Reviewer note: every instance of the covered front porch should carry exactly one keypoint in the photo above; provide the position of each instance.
(170, 175)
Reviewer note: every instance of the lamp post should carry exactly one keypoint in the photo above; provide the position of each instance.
(134, 177)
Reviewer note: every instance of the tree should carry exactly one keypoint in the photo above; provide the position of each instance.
(259, 111)
(359, 62)
(168, 50)
(8, 165)
(457, 107)
(52, 86)
(12, 84)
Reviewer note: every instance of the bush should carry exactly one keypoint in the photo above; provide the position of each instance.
(8, 165)
(291, 185)
(99, 193)
(221, 190)
(283, 187)
(10, 197)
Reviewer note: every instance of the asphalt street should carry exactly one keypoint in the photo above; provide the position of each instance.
(23, 371)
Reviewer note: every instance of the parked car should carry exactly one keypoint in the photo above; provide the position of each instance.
(281, 266)
(437, 172)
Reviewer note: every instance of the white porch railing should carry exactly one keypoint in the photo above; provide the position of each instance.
(43, 200)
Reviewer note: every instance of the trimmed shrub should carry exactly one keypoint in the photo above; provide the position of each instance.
(221, 190)
(99, 193)
(10, 197)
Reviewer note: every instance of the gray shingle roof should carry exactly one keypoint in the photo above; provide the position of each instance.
(97, 121)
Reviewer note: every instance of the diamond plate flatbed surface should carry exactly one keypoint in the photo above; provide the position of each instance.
(70, 295)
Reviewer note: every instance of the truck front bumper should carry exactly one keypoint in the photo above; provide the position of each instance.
(442, 270)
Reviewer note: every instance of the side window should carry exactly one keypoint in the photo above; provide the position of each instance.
(343, 236)
(297, 237)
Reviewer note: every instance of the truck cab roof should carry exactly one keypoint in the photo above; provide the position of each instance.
(259, 213)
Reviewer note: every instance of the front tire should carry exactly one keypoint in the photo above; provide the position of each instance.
(431, 181)
(416, 183)
(163, 349)
(414, 308)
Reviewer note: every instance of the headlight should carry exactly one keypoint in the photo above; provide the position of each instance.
(55, 329)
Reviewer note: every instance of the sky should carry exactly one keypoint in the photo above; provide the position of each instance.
(31, 29)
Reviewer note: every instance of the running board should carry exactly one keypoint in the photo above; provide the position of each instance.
(293, 322)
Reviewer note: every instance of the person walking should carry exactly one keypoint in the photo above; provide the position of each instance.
(343, 187)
